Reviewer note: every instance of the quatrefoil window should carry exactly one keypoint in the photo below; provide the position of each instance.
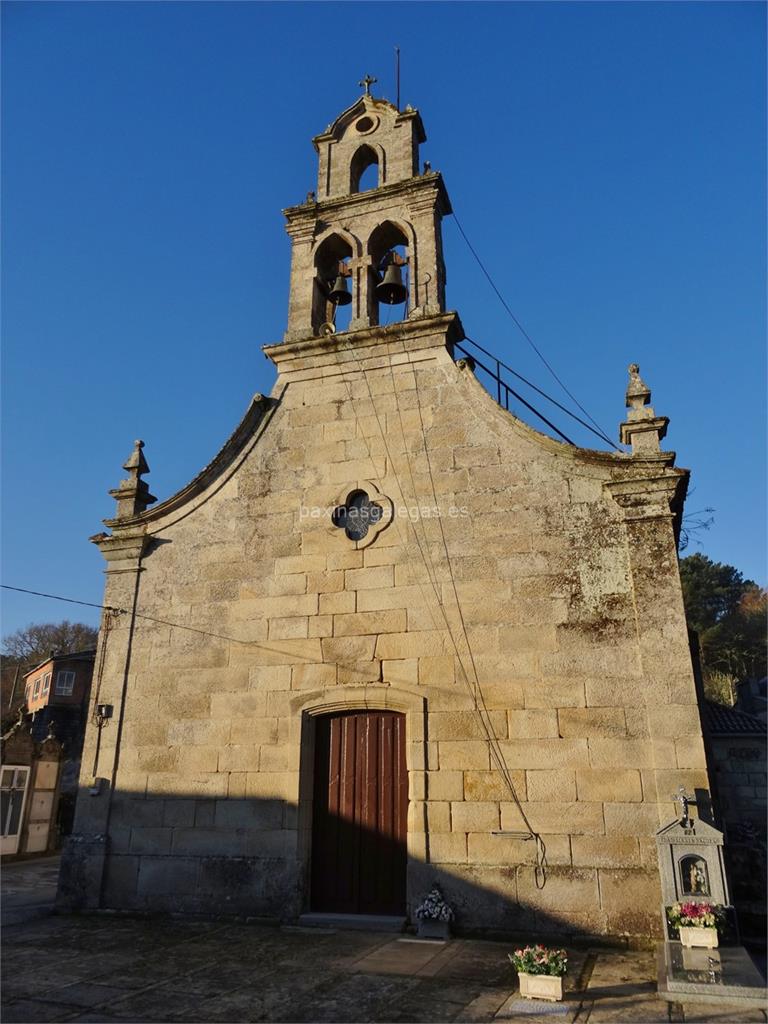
(357, 515)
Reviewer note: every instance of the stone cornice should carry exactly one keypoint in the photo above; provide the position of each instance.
(419, 189)
(436, 331)
(656, 427)
(361, 104)
(646, 486)
(124, 547)
(651, 494)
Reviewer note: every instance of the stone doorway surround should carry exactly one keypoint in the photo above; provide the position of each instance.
(306, 708)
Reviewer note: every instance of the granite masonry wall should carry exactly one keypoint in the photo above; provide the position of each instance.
(556, 567)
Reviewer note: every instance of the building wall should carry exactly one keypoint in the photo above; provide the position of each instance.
(739, 766)
(37, 833)
(561, 565)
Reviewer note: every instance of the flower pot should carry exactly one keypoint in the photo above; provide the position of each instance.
(541, 986)
(430, 929)
(695, 936)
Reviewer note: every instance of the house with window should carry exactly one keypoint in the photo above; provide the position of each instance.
(57, 690)
(56, 693)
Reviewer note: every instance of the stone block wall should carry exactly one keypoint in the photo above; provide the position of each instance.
(739, 766)
(550, 579)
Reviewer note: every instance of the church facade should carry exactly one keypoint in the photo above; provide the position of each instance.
(391, 635)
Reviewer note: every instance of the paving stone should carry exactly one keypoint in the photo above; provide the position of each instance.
(100, 1017)
(83, 994)
(632, 1010)
(399, 957)
(517, 1009)
(354, 998)
(704, 1013)
(485, 1006)
(33, 1010)
(206, 983)
(154, 1003)
(434, 1000)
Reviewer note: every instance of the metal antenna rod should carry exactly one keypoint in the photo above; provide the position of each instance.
(397, 74)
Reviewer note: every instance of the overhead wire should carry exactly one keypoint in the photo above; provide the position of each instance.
(139, 615)
(522, 330)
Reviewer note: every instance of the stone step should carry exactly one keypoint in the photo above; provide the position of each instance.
(353, 922)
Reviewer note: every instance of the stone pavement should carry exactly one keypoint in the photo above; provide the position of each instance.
(117, 969)
(29, 889)
(109, 968)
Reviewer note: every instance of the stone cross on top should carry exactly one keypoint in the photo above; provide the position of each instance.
(366, 84)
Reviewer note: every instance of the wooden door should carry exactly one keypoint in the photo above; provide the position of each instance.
(360, 813)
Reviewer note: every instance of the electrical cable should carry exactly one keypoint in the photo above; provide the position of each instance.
(139, 615)
(520, 327)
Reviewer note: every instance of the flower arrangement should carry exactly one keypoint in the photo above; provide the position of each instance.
(540, 960)
(433, 907)
(694, 915)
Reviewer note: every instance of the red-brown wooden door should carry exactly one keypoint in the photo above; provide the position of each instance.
(360, 813)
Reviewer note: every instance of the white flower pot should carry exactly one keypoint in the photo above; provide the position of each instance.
(695, 936)
(541, 986)
(429, 929)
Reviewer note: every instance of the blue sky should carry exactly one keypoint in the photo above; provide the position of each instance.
(606, 160)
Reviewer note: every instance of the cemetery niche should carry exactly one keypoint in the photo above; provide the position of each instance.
(692, 870)
(691, 863)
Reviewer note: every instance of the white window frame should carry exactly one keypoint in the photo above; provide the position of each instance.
(17, 769)
(46, 683)
(36, 690)
(64, 686)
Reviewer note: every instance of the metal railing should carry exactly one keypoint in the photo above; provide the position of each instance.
(502, 389)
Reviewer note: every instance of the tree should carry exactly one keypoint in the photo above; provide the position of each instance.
(729, 615)
(35, 643)
(711, 591)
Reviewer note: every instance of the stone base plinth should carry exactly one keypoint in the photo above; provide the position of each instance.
(725, 975)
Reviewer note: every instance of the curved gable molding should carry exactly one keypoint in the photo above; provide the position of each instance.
(217, 472)
(503, 421)
(362, 104)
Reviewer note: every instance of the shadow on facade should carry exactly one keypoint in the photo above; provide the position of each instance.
(253, 859)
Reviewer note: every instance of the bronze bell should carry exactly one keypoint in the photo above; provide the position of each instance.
(391, 289)
(339, 293)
